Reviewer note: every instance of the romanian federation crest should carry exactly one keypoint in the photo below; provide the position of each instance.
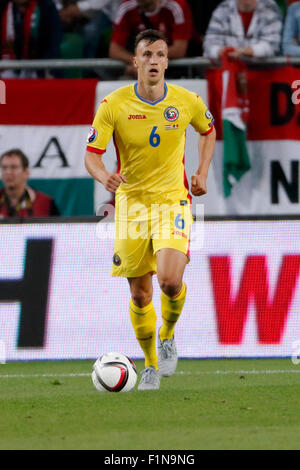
(171, 114)
(92, 135)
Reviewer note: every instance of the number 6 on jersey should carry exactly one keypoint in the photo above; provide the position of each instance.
(154, 138)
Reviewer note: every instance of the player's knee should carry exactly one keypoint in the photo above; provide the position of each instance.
(170, 287)
(141, 298)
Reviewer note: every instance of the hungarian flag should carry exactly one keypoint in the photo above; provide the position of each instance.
(49, 121)
(235, 110)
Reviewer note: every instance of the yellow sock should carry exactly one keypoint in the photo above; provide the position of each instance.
(171, 308)
(144, 323)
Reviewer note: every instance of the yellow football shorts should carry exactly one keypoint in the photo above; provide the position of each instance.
(138, 238)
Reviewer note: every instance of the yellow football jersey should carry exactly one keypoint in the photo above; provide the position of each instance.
(149, 138)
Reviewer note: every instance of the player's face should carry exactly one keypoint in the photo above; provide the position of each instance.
(151, 61)
(246, 5)
(13, 174)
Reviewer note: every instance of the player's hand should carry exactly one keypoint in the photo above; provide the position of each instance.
(113, 181)
(198, 185)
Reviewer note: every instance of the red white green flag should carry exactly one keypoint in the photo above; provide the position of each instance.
(235, 109)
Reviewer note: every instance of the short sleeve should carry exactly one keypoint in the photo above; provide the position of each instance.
(102, 128)
(202, 119)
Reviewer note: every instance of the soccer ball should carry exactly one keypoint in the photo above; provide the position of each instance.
(114, 372)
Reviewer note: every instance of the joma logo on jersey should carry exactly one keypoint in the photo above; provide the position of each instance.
(137, 116)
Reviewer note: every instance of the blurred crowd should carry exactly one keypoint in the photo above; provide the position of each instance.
(51, 29)
(68, 29)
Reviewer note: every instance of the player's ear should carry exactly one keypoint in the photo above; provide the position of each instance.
(134, 62)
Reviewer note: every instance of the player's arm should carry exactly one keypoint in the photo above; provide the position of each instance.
(206, 146)
(97, 141)
(96, 168)
(203, 122)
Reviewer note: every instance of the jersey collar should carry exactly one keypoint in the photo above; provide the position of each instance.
(153, 103)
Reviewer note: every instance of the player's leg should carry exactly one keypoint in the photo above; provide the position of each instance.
(170, 268)
(143, 319)
(143, 316)
(134, 259)
(172, 255)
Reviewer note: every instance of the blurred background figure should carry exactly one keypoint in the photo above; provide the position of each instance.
(282, 4)
(87, 26)
(201, 12)
(172, 17)
(17, 199)
(30, 29)
(291, 31)
(251, 27)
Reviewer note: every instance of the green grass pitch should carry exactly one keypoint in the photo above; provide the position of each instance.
(207, 404)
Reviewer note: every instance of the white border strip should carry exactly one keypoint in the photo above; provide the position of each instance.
(216, 372)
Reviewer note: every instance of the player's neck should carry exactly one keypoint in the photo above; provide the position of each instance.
(151, 92)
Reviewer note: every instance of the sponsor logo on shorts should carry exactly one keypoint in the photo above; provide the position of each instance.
(92, 135)
(137, 116)
(171, 114)
(116, 260)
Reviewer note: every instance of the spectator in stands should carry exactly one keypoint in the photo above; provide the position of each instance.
(95, 19)
(173, 17)
(16, 198)
(291, 32)
(30, 29)
(201, 12)
(251, 27)
(282, 4)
